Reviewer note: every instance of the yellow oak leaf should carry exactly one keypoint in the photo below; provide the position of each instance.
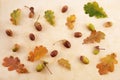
(38, 53)
(107, 64)
(15, 16)
(65, 63)
(70, 21)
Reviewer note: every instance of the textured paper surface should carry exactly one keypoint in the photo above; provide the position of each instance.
(49, 35)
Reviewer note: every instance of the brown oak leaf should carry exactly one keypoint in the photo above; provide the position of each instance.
(95, 36)
(38, 52)
(14, 64)
(107, 64)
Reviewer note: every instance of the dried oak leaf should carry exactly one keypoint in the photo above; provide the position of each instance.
(95, 36)
(38, 52)
(14, 64)
(107, 64)
(65, 63)
(15, 16)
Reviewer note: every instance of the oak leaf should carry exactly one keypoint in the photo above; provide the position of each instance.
(107, 64)
(70, 21)
(65, 63)
(95, 36)
(15, 16)
(93, 9)
(50, 17)
(14, 64)
(38, 53)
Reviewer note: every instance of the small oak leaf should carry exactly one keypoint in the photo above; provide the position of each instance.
(107, 64)
(50, 17)
(65, 63)
(15, 16)
(38, 53)
(70, 21)
(95, 36)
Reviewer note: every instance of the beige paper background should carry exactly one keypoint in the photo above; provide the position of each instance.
(50, 34)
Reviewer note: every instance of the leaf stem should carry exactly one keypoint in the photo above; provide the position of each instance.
(38, 18)
(45, 64)
(26, 7)
(48, 69)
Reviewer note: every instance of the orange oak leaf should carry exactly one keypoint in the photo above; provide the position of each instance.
(38, 52)
(14, 64)
(107, 64)
(95, 36)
